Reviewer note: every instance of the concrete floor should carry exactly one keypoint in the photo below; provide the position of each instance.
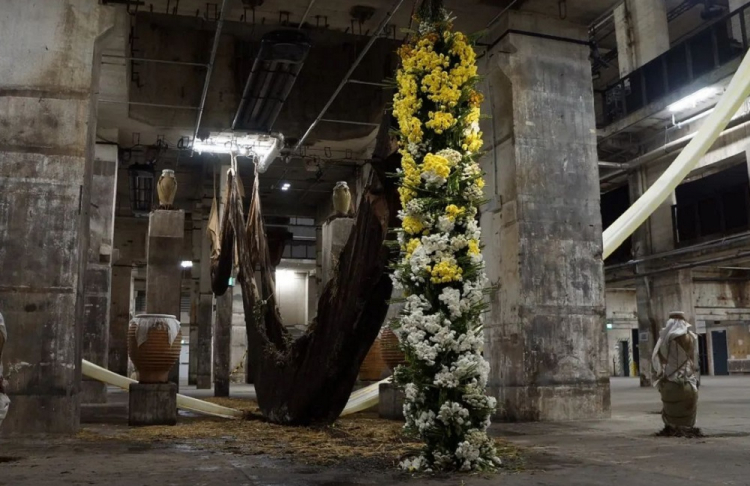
(621, 450)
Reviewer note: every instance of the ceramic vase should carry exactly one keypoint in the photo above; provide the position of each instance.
(154, 343)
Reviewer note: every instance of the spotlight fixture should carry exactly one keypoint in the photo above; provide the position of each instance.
(285, 186)
(186, 264)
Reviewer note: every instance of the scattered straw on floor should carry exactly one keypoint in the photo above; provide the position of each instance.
(361, 440)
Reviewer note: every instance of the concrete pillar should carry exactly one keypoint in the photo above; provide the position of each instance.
(48, 68)
(166, 230)
(193, 345)
(223, 342)
(642, 33)
(205, 314)
(736, 22)
(119, 317)
(98, 278)
(197, 241)
(545, 332)
(335, 234)
(657, 296)
(239, 338)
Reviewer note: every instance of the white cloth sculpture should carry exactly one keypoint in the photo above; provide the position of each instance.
(674, 360)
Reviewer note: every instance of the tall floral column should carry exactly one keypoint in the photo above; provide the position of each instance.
(441, 268)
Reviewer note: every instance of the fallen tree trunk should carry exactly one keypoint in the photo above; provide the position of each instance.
(309, 380)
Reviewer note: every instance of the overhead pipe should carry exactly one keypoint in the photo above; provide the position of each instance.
(349, 73)
(671, 147)
(709, 245)
(682, 266)
(210, 68)
(730, 102)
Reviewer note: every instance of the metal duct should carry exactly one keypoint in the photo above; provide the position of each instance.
(280, 58)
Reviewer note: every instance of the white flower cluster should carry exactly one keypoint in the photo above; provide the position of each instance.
(440, 327)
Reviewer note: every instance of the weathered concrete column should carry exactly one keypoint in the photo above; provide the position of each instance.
(48, 68)
(658, 295)
(197, 240)
(122, 295)
(205, 315)
(545, 332)
(223, 342)
(98, 278)
(166, 230)
(642, 32)
(736, 22)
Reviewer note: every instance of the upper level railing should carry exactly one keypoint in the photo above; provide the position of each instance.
(718, 44)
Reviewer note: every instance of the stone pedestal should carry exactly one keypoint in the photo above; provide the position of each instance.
(545, 331)
(166, 229)
(335, 234)
(48, 77)
(391, 402)
(152, 404)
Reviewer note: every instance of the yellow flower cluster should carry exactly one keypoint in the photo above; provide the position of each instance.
(473, 141)
(441, 89)
(412, 225)
(412, 177)
(437, 164)
(445, 272)
(440, 121)
(452, 211)
(412, 246)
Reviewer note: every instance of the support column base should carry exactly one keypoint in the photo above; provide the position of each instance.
(555, 403)
(152, 404)
(41, 414)
(391, 402)
(93, 391)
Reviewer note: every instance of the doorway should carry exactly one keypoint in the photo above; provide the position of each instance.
(625, 358)
(703, 353)
(719, 348)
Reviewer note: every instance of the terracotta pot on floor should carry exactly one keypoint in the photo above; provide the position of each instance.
(373, 366)
(154, 343)
(392, 354)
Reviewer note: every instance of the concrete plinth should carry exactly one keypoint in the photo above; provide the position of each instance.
(335, 234)
(391, 402)
(545, 332)
(48, 71)
(166, 230)
(152, 404)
